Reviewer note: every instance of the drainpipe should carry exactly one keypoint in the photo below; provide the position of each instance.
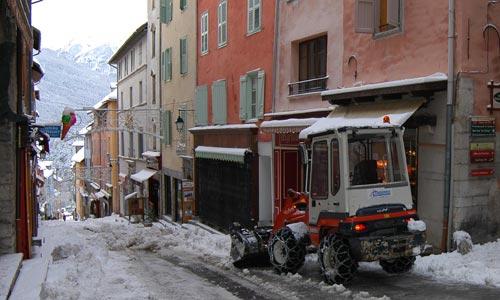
(445, 240)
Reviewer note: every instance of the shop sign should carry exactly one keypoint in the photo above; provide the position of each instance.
(496, 97)
(481, 172)
(483, 126)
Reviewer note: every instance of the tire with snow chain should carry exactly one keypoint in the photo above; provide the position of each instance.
(398, 265)
(287, 254)
(337, 264)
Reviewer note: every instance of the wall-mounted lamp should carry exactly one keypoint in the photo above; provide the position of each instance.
(179, 123)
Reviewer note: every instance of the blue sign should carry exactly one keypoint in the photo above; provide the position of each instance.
(54, 131)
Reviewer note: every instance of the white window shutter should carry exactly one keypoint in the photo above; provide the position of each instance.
(243, 97)
(261, 79)
(364, 21)
(393, 13)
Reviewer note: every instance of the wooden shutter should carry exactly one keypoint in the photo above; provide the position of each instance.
(163, 66)
(168, 64)
(219, 102)
(393, 13)
(243, 97)
(261, 90)
(167, 128)
(201, 105)
(364, 16)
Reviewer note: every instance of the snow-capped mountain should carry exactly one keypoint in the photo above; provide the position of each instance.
(76, 76)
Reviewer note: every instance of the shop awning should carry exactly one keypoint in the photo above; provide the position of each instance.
(369, 115)
(82, 192)
(220, 153)
(143, 175)
(100, 195)
(287, 126)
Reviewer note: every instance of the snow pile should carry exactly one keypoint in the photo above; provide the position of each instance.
(480, 266)
(414, 225)
(299, 230)
(462, 241)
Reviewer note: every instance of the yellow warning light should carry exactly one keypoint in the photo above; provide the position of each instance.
(387, 119)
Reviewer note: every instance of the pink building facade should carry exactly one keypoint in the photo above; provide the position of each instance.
(395, 50)
(233, 93)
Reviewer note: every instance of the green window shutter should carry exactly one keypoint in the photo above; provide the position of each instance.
(167, 127)
(261, 79)
(183, 52)
(243, 97)
(219, 102)
(168, 11)
(162, 66)
(163, 11)
(183, 4)
(201, 105)
(168, 64)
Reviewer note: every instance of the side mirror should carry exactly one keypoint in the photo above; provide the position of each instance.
(304, 155)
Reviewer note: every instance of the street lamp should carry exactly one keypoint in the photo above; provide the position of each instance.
(179, 123)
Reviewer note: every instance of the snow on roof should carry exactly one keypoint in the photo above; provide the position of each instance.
(231, 126)
(79, 156)
(369, 115)
(418, 80)
(143, 175)
(298, 112)
(111, 96)
(78, 143)
(288, 125)
(151, 154)
(221, 153)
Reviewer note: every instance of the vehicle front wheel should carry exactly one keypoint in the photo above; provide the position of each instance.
(287, 254)
(398, 265)
(337, 264)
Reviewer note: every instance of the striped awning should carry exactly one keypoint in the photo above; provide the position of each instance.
(225, 154)
(287, 126)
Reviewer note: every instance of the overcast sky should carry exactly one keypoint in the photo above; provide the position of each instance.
(87, 21)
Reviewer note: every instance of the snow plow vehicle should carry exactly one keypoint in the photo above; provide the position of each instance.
(358, 205)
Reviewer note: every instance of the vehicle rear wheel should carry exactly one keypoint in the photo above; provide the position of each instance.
(337, 264)
(398, 265)
(287, 254)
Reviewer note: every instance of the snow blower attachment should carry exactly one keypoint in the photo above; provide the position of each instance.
(358, 207)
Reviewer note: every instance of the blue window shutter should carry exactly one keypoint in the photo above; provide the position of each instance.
(219, 102)
(201, 105)
(163, 11)
(167, 128)
(261, 79)
(243, 97)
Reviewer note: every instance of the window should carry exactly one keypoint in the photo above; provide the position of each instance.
(201, 105)
(140, 92)
(153, 89)
(319, 170)
(165, 11)
(183, 53)
(222, 23)
(312, 59)
(252, 95)
(335, 166)
(140, 54)
(131, 96)
(120, 65)
(253, 15)
(183, 4)
(140, 142)
(132, 60)
(153, 41)
(167, 64)
(126, 65)
(219, 102)
(204, 33)
(378, 17)
(167, 128)
(122, 143)
(130, 144)
(154, 137)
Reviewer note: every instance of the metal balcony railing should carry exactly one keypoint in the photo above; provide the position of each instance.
(307, 86)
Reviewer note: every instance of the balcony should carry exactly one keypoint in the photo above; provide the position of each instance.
(307, 86)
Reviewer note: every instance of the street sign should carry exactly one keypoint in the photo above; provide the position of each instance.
(54, 131)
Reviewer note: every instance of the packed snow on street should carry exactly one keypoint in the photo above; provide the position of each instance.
(109, 258)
